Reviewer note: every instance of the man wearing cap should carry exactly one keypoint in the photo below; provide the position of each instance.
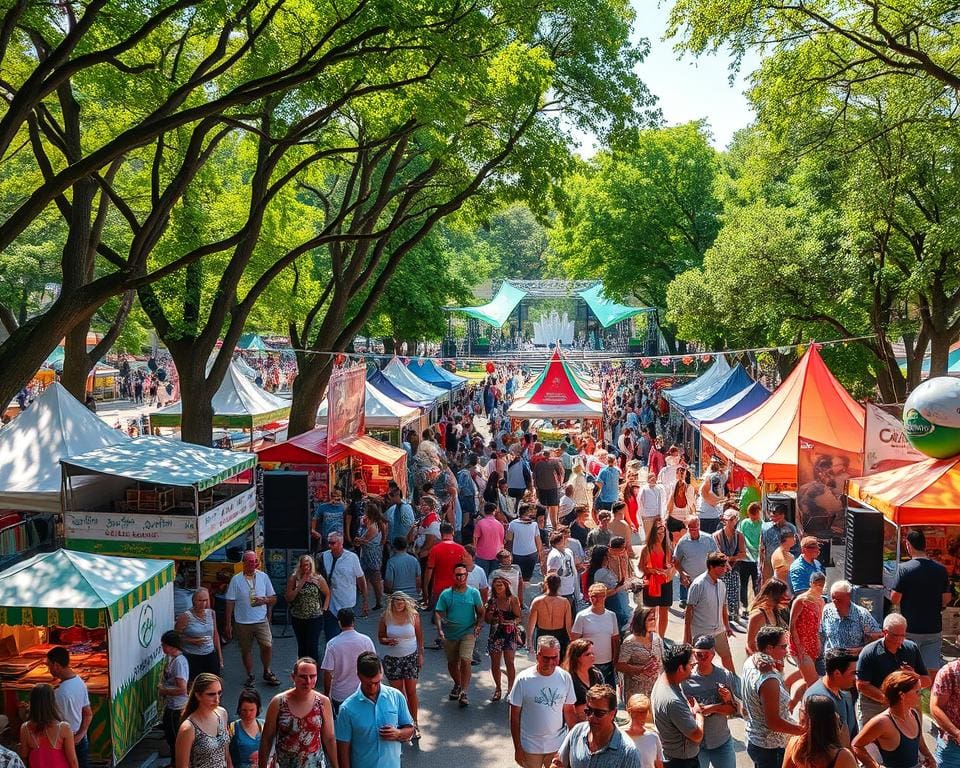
(714, 689)
(804, 566)
(770, 536)
(706, 611)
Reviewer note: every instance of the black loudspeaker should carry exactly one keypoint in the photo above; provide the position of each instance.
(789, 503)
(286, 510)
(864, 547)
(449, 348)
(825, 552)
(652, 348)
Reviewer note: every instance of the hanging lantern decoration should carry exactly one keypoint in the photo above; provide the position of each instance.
(687, 359)
(645, 362)
(706, 358)
(339, 359)
(664, 361)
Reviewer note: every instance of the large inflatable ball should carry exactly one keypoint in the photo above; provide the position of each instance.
(931, 417)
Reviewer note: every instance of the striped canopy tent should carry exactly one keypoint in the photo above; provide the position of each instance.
(66, 588)
(733, 407)
(556, 394)
(810, 406)
(736, 380)
(924, 493)
(576, 381)
(237, 404)
(386, 387)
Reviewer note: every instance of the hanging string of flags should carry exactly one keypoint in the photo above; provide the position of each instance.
(645, 361)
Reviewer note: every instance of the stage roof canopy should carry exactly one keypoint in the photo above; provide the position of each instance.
(512, 292)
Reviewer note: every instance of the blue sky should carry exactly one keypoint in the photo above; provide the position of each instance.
(689, 88)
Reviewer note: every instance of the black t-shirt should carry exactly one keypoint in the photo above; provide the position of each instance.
(579, 532)
(922, 582)
(580, 688)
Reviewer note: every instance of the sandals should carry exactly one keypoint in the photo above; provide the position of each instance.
(271, 679)
(455, 693)
(251, 682)
(496, 696)
(464, 701)
(416, 732)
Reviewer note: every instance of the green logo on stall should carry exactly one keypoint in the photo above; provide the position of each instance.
(145, 626)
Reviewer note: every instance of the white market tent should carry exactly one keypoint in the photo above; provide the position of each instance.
(410, 384)
(239, 403)
(380, 412)
(56, 426)
(702, 387)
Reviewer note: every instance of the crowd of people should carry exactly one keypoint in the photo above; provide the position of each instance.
(577, 552)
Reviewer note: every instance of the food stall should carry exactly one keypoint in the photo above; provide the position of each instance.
(333, 467)
(109, 612)
(923, 495)
(160, 498)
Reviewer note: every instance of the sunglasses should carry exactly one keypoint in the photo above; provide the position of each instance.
(591, 712)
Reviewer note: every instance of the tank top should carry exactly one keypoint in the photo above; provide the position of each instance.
(907, 752)
(307, 604)
(298, 738)
(407, 636)
(209, 751)
(43, 754)
(242, 745)
(201, 628)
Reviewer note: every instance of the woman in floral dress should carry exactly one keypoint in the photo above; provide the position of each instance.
(641, 654)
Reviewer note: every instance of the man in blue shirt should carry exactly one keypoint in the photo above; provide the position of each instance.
(805, 566)
(373, 721)
(608, 481)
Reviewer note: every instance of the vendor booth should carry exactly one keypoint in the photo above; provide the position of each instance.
(924, 495)
(55, 426)
(386, 387)
(426, 369)
(384, 419)
(807, 436)
(693, 391)
(238, 404)
(333, 467)
(558, 397)
(160, 498)
(109, 612)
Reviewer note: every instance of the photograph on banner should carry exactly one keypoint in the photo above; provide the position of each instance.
(885, 446)
(822, 474)
(346, 396)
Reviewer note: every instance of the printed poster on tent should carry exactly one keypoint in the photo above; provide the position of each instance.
(346, 395)
(822, 474)
(884, 444)
(135, 664)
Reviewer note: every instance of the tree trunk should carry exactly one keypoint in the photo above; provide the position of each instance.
(196, 403)
(308, 390)
(890, 379)
(939, 353)
(76, 361)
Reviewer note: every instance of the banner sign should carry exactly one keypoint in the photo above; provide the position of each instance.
(135, 663)
(822, 474)
(346, 396)
(884, 444)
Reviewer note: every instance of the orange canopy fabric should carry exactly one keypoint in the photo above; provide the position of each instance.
(810, 404)
(925, 493)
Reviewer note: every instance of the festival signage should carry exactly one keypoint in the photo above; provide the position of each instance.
(346, 395)
(885, 446)
(822, 474)
(178, 536)
(136, 661)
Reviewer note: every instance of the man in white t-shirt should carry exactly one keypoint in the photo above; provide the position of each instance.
(560, 561)
(599, 625)
(73, 700)
(542, 707)
(652, 502)
(249, 595)
(341, 569)
(339, 665)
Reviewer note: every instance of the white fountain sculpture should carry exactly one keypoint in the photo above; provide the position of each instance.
(551, 327)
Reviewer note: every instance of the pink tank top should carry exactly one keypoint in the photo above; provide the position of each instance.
(44, 755)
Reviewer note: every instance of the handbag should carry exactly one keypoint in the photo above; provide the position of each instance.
(674, 525)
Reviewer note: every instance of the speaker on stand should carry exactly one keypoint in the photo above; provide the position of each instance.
(286, 531)
(863, 563)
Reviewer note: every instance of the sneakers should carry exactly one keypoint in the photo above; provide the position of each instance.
(464, 701)
(251, 682)
(455, 693)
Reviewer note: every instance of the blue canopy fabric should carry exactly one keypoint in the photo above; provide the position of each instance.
(608, 312)
(384, 385)
(252, 343)
(497, 311)
(736, 381)
(733, 407)
(423, 369)
(696, 389)
(453, 378)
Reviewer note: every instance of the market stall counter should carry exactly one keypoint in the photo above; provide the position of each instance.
(109, 612)
(160, 498)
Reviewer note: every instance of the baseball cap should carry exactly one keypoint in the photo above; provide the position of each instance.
(705, 643)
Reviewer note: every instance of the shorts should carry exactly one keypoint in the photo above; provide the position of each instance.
(461, 649)
(722, 643)
(247, 633)
(601, 505)
(401, 667)
(930, 646)
(665, 599)
(526, 563)
(549, 497)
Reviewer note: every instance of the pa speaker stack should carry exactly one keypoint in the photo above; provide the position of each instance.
(864, 543)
